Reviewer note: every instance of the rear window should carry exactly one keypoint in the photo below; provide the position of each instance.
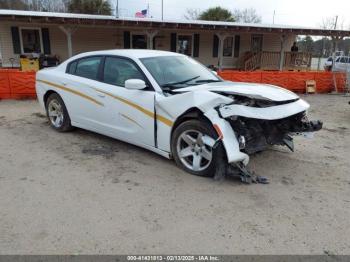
(88, 67)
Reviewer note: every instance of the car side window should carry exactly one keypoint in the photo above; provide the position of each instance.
(343, 60)
(118, 70)
(88, 67)
(72, 67)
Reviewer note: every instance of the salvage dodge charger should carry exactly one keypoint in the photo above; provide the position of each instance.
(172, 105)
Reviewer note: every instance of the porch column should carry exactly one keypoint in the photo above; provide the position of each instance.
(68, 31)
(222, 36)
(283, 43)
(150, 36)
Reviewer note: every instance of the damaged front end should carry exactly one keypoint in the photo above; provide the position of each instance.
(247, 117)
(258, 124)
(255, 135)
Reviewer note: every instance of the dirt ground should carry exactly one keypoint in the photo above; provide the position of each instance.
(80, 192)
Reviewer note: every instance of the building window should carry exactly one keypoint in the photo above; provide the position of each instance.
(31, 40)
(139, 42)
(184, 43)
(228, 45)
(257, 43)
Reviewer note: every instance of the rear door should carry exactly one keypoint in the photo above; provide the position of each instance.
(130, 113)
(85, 106)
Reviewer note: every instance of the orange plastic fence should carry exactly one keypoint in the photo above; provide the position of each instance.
(18, 84)
(294, 81)
(15, 84)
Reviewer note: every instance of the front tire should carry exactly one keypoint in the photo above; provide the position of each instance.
(57, 113)
(191, 152)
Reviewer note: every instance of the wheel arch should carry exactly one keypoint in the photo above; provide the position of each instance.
(47, 95)
(190, 114)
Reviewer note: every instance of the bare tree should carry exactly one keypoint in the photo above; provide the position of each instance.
(46, 5)
(34, 5)
(247, 15)
(192, 14)
(332, 22)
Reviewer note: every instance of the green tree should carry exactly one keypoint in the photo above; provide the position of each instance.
(217, 14)
(98, 7)
(306, 44)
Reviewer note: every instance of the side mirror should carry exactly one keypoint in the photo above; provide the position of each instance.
(136, 84)
(214, 72)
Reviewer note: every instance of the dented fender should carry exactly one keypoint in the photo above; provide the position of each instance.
(176, 105)
(206, 101)
(229, 138)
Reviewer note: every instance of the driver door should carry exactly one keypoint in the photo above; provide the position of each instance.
(130, 112)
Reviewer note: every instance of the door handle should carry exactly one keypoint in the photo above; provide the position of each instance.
(64, 83)
(101, 95)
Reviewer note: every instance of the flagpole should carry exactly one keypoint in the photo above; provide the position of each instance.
(148, 15)
(162, 10)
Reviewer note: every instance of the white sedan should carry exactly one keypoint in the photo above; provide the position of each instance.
(172, 105)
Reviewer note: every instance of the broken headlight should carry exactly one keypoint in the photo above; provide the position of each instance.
(247, 101)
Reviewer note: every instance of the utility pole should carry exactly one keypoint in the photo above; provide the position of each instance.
(273, 18)
(336, 22)
(162, 10)
(117, 9)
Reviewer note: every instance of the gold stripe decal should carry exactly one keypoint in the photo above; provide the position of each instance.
(71, 91)
(143, 110)
(165, 120)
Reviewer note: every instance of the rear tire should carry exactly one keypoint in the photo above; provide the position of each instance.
(57, 113)
(191, 154)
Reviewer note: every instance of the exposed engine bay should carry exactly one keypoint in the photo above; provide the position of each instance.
(255, 135)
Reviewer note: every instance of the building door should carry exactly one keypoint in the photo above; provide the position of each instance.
(257, 43)
(184, 44)
(139, 41)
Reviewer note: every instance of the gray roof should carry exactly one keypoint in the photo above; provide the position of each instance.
(201, 23)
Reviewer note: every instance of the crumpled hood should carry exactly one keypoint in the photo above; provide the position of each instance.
(256, 91)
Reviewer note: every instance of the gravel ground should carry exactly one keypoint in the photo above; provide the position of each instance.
(80, 192)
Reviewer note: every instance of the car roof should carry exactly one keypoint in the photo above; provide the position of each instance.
(131, 53)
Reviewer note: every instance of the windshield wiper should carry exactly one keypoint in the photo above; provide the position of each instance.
(173, 84)
(207, 81)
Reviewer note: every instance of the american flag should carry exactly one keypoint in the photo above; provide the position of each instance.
(141, 14)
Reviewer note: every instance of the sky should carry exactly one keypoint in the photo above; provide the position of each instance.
(308, 13)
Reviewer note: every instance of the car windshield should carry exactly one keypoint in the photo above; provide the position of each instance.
(173, 72)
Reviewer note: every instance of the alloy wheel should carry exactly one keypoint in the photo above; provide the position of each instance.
(55, 112)
(192, 150)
